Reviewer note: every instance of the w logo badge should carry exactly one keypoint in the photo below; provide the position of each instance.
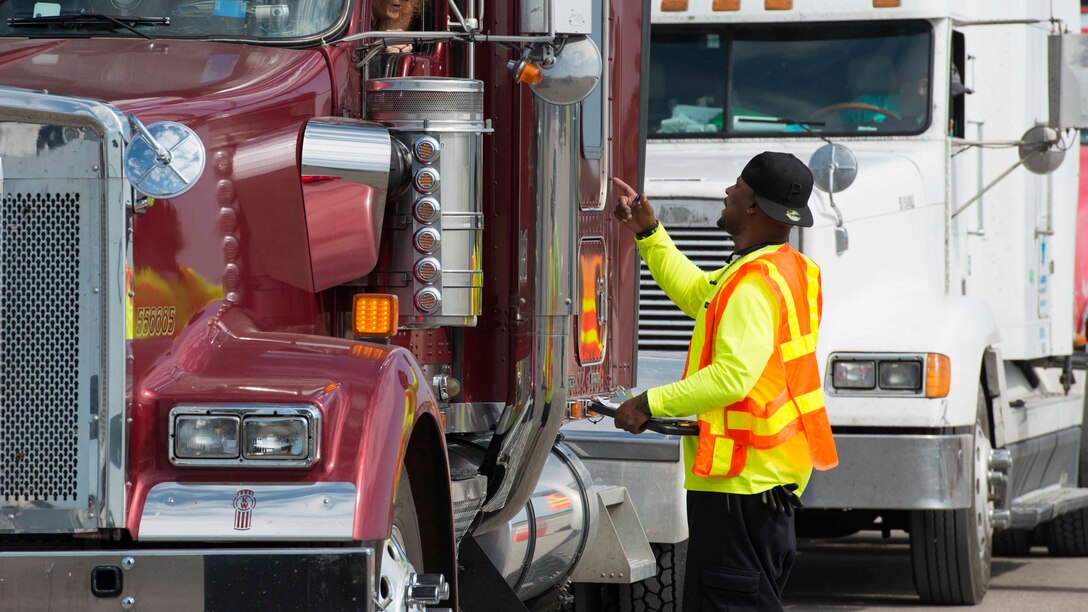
(244, 503)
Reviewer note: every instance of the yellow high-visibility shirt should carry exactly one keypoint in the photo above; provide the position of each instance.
(743, 345)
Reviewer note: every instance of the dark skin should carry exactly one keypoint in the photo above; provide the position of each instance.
(741, 217)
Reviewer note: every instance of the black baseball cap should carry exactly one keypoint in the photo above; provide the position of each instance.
(782, 184)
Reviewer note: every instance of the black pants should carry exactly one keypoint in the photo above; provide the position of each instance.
(739, 553)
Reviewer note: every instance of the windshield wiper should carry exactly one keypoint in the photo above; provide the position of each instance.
(780, 120)
(804, 125)
(91, 19)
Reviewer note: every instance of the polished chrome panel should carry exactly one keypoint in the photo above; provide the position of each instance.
(62, 313)
(447, 113)
(310, 413)
(180, 511)
(929, 472)
(530, 424)
(541, 545)
(468, 496)
(57, 581)
(476, 417)
(353, 150)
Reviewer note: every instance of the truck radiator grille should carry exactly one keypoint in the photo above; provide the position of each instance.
(661, 325)
(39, 346)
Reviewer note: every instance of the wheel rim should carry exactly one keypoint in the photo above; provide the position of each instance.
(396, 574)
(983, 505)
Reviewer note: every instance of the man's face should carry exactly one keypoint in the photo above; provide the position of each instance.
(739, 197)
(388, 9)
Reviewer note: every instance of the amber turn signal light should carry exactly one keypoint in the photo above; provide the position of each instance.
(938, 375)
(374, 314)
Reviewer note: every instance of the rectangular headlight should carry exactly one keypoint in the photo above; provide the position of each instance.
(901, 375)
(275, 438)
(853, 374)
(206, 437)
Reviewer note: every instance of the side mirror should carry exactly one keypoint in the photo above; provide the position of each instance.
(834, 168)
(163, 160)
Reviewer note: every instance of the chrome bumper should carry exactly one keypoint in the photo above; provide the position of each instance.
(895, 472)
(209, 579)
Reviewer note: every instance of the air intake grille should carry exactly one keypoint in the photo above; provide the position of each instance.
(39, 346)
(661, 325)
(434, 103)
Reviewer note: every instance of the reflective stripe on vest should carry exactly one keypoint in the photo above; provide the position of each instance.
(787, 398)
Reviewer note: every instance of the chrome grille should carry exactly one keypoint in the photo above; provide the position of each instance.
(425, 102)
(39, 346)
(661, 325)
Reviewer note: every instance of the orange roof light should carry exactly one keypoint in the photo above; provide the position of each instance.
(374, 314)
(674, 5)
(726, 5)
(777, 5)
(885, 3)
(938, 375)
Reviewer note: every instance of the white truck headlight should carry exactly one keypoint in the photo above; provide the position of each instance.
(904, 375)
(853, 374)
(245, 436)
(206, 437)
(275, 438)
(889, 374)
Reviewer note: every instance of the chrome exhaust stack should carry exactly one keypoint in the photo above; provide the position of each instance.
(528, 427)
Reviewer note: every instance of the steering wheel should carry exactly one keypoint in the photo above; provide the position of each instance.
(862, 106)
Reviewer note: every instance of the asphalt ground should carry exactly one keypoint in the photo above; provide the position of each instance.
(867, 572)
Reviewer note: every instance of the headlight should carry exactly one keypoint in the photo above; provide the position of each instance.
(889, 374)
(854, 374)
(245, 436)
(206, 437)
(905, 375)
(275, 438)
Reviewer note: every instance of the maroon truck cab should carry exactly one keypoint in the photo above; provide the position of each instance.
(208, 406)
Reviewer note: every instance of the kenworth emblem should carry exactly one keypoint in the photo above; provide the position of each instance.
(244, 502)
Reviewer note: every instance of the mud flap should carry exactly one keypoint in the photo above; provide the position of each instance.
(482, 587)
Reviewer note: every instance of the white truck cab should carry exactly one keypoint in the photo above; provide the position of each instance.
(944, 227)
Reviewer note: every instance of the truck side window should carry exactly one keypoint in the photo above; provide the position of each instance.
(957, 88)
(592, 109)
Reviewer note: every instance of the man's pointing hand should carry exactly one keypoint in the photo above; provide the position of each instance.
(632, 209)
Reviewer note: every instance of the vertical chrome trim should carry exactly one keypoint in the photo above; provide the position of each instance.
(528, 427)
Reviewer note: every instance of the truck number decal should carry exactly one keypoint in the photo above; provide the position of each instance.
(155, 321)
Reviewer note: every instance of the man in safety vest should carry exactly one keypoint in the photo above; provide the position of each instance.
(751, 378)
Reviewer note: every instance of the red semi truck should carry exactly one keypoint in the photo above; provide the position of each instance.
(288, 321)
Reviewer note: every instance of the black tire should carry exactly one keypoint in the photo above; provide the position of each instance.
(1067, 535)
(950, 549)
(406, 520)
(663, 592)
(1012, 542)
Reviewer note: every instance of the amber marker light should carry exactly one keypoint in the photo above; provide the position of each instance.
(938, 375)
(374, 315)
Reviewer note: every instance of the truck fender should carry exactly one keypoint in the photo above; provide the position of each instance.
(373, 398)
(958, 327)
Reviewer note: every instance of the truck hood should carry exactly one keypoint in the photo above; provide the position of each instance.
(182, 80)
(248, 104)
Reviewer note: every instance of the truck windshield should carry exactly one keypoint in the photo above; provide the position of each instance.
(277, 20)
(858, 79)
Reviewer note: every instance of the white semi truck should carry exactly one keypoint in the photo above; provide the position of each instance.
(945, 228)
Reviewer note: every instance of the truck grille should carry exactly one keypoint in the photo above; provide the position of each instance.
(661, 325)
(39, 346)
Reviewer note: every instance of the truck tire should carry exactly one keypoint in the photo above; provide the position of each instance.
(951, 549)
(402, 553)
(1012, 542)
(1067, 535)
(663, 592)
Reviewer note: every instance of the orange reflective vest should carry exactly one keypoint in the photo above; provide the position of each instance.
(787, 398)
